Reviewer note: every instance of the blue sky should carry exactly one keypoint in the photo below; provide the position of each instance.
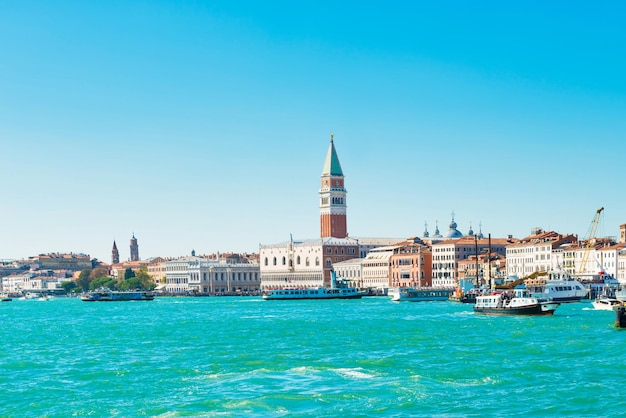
(204, 125)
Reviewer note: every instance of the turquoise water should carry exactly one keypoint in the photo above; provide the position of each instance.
(242, 356)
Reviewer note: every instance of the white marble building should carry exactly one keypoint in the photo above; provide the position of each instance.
(203, 276)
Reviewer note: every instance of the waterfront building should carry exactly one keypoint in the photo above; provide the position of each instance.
(157, 269)
(350, 271)
(447, 254)
(411, 264)
(376, 268)
(608, 257)
(14, 283)
(199, 275)
(534, 253)
(305, 263)
(134, 249)
(488, 270)
(588, 260)
(620, 274)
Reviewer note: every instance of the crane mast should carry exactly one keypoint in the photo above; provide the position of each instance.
(590, 241)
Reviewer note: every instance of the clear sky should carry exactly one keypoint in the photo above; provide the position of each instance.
(204, 125)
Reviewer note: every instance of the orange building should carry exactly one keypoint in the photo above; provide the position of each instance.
(411, 264)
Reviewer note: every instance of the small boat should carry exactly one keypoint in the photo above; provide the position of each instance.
(409, 294)
(107, 295)
(336, 290)
(5, 298)
(605, 303)
(513, 302)
(471, 295)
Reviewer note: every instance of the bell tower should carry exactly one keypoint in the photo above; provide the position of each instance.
(115, 255)
(134, 249)
(332, 197)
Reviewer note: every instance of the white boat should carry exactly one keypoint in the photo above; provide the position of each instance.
(513, 302)
(335, 291)
(107, 295)
(558, 288)
(605, 303)
(409, 294)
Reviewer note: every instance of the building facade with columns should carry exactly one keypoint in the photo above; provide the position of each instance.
(199, 275)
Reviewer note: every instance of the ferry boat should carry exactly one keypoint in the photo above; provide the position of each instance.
(409, 294)
(335, 291)
(513, 302)
(558, 288)
(106, 295)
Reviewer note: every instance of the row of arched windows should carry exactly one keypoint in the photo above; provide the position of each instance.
(298, 261)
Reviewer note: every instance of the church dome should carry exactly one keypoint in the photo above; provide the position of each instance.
(453, 232)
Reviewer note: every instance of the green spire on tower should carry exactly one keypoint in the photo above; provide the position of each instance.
(331, 165)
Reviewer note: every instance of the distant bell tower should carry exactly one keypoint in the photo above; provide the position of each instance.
(134, 249)
(115, 255)
(333, 197)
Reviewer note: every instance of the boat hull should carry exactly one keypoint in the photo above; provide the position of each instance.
(309, 294)
(532, 310)
(113, 296)
(407, 294)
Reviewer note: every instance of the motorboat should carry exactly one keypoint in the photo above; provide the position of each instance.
(605, 303)
(513, 302)
(410, 294)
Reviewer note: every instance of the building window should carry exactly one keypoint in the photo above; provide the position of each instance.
(298, 260)
(329, 262)
(266, 261)
(274, 260)
(284, 261)
(307, 261)
(317, 261)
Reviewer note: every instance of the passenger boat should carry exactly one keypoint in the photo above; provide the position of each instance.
(409, 294)
(335, 291)
(605, 303)
(513, 302)
(558, 288)
(106, 295)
